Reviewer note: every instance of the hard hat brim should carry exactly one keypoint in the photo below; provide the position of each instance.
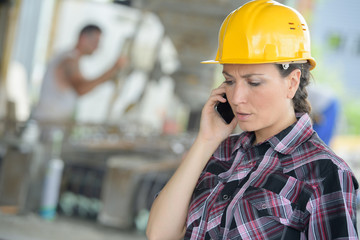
(311, 61)
(210, 62)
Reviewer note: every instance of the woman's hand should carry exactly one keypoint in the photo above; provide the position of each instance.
(212, 127)
(170, 209)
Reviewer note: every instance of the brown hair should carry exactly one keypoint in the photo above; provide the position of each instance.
(90, 28)
(300, 102)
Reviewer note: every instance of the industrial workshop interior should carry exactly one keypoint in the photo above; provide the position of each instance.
(100, 171)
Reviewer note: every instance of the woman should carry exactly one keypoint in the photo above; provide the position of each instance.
(277, 179)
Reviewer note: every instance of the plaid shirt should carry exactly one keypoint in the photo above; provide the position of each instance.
(291, 186)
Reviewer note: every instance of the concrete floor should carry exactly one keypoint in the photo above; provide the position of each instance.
(31, 227)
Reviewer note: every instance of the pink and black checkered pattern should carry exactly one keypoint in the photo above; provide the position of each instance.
(291, 186)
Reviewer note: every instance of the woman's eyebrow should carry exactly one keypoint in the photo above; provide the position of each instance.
(226, 74)
(243, 76)
(251, 74)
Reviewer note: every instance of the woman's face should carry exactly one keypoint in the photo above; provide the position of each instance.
(260, 98)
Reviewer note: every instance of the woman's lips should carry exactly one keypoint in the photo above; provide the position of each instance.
(243, 116)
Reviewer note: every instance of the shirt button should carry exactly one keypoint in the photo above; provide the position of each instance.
(263, 206)
(226, 197)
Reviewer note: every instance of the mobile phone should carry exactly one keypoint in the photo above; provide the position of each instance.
(225, 111)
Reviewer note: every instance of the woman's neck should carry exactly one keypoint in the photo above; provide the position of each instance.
(266, 133)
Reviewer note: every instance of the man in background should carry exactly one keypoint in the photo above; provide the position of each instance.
(62, 85)
(63, 82)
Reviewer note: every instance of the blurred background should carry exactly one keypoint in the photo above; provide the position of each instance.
(129, 134)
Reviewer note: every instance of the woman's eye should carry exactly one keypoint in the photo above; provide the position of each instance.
(228, 82)
(254, 84)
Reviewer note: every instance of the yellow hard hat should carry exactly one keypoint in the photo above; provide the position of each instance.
(263, 31)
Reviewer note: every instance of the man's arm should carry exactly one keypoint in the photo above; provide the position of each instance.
(77, 81)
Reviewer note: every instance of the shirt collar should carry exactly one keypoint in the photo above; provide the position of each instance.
(232, 144)
(290, 138)
(285, 141)
(245, 141)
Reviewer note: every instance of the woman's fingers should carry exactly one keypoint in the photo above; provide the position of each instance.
(217, 95)
(218, 91)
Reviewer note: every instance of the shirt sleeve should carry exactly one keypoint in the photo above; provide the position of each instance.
(333, 207)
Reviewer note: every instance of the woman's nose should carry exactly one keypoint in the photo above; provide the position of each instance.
(239, 94)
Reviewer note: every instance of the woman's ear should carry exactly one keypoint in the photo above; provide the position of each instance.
(293, 83)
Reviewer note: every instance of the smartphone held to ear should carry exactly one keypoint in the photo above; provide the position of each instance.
(225, 111)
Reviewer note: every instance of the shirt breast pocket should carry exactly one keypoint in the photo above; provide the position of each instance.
(284, 202)
(265, 203)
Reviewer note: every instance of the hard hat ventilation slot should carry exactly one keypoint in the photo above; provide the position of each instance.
(304, 27)
(291, 26)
